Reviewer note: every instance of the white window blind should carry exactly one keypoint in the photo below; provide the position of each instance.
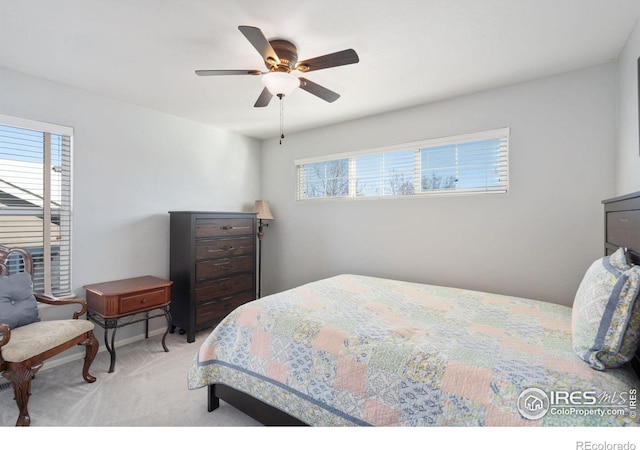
(35, 198)
(470, 163)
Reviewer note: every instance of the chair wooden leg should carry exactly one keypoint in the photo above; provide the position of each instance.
(91, 344)
(20, 376)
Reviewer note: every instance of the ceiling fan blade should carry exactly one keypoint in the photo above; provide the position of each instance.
(257, 39)
(331, 60)
(206, 73)
(264, 99)
(319, 91)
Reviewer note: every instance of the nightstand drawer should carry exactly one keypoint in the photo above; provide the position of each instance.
(123, 297)
(219, 309)
(223, 267)
(141, 301)
(224, 248)
(223, 227)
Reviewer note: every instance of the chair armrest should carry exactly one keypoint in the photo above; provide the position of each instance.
(49, 300)
(5, 332)
(5, 335)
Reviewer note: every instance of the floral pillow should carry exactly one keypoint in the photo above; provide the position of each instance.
(18, 306)
(606, 312)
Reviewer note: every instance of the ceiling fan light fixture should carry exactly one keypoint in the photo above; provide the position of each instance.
(280, 83)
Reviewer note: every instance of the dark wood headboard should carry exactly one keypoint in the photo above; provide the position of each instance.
(622, 229)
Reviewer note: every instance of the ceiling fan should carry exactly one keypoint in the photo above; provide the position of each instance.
(281, 58)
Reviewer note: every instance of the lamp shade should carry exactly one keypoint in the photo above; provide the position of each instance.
(262, 208)
(280, 83)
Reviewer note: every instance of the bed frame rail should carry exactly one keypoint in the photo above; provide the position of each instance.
(263, 413)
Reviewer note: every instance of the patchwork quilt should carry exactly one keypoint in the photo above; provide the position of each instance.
(355, 350)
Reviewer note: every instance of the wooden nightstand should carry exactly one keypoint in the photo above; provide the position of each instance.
(118, 303)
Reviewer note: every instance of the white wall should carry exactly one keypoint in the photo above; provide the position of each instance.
(131, 166)
(628, 136)
(536, 241)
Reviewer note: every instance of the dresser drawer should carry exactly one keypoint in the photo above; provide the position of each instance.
(223, 267)
(223, 288)
(141, 301)
(221, 248)
(223, 227)
(623, 226)
(219, 309)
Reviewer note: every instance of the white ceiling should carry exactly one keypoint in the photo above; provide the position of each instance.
(411, 51)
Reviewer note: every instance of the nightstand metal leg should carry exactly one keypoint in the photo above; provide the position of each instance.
(167, 315)
(111, 324)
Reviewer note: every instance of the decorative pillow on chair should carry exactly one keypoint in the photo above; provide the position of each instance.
(18, 306)
(606, 312)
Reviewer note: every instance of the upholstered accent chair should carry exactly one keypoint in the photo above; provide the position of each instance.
(25, 340)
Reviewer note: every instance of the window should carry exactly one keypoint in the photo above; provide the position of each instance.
(35, 198)
(471, 163)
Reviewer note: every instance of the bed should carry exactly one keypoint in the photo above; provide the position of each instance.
(354, 350)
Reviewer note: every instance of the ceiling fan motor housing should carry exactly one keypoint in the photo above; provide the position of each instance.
(287, 53)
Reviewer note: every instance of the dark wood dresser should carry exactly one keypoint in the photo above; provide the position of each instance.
(212, 266)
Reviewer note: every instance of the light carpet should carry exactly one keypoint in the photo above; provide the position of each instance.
(147, 389)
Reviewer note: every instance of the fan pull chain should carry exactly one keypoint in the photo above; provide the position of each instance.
(281, 118)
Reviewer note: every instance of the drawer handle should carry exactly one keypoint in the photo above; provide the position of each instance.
(230, 227)
(225, 287)
(226, 248)
(223, 266)
(144, 300)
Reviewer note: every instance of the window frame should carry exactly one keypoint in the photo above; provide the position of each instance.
(52, 260)
(417, 147)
